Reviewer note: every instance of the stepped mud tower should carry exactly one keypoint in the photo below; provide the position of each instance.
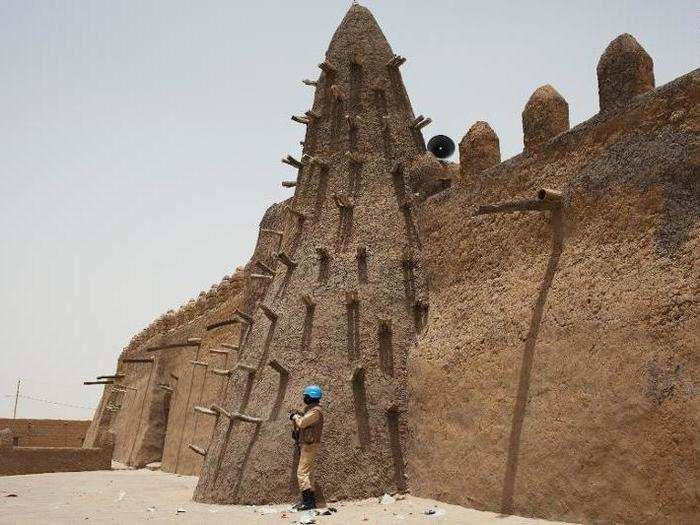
(343, 296)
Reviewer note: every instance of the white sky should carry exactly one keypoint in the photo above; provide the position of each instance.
(141, 141)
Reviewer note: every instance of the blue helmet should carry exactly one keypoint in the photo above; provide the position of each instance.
(313, 391)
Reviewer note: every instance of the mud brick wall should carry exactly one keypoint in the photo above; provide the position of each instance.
(47, 432)
(557, 376)
(39, 460)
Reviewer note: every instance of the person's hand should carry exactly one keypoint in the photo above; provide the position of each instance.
(293, 413)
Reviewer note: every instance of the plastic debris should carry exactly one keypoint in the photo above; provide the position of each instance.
(434, 513)
(386, 499)
(121, 495)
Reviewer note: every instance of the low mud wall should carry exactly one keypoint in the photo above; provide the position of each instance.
(46, 432)
(38, 460)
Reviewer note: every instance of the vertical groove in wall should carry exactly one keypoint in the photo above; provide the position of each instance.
(281, 390)
(392, 423)
(361, 256)
(354, 178)
(321, 190)
(307, 328)
(352, 307)
(420, 312)
(323, 265)
(359, 396)
(344, 233)
(356, 76)
(383, 113)
(337, 117)
(386, 349)
(409, 279)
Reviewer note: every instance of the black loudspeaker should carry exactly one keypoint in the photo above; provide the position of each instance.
(441, 146)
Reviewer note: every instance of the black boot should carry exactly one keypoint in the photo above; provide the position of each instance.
(308, 500)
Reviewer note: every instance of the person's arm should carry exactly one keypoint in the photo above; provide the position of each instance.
(307, 420)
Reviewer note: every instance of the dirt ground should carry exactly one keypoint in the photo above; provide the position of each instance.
(136, 496)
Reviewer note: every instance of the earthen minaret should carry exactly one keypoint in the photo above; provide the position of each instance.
(343, 302)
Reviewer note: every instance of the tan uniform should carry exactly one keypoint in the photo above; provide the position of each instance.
(310, 427)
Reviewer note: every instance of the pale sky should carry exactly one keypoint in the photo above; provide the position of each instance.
(141, 142)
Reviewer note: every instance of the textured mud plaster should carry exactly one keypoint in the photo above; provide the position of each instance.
(345, 235)
(560, 358)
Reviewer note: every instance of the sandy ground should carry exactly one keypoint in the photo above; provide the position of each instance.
(128, 496)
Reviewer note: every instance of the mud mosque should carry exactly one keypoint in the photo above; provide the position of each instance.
(553, 296)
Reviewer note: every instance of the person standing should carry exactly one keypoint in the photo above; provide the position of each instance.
(308, 428)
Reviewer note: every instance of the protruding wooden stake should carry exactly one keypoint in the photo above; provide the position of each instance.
(284, 259)
(165, 387)
(245, 317)
(199, 363)
(308, 159)
(312, 114)
(342, 201)
(218, 351)
(221, 372)
(272, 232)
(114, 376)
(310, 82)
(420, 122)
(396, 61)
(264, 267)
(204, 410)
(289, 183)
(351, 297)
(269, 312)
(197, 449)
(308, 300)
(230, 346)
(194, 341)
(328, 68)
(262, 276)
(292, 162)
(300, 120)
(548, 195)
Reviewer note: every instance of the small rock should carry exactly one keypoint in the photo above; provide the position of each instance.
(154, 466)
(10, 495)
